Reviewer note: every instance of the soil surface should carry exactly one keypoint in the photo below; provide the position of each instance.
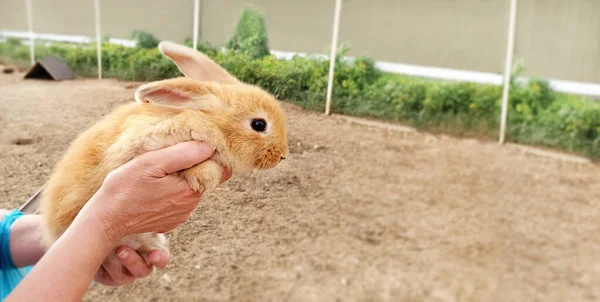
(355, 213)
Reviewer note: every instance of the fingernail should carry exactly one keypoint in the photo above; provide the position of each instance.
(154, 258)
(123, 254)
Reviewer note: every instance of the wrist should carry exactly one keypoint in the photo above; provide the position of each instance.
(100, 217)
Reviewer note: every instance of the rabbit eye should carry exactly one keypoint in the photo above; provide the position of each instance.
(258, 125)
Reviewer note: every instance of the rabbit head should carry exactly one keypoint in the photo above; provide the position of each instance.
(249, 119)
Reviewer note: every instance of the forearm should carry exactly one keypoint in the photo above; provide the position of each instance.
(26, 247)
(68, 267)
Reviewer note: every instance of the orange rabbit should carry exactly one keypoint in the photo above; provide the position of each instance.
(244, 124)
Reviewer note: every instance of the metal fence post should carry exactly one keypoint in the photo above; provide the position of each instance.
(98, 37)
(507, 68)
(29, 9)
(196, 21)
(334, 42)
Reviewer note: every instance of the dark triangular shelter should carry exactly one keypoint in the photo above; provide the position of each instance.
(50, 68)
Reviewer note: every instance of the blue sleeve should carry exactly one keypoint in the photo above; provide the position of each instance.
(10, 275)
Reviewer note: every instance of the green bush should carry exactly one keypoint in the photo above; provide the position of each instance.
(537, 115)
(144, 39)
(13, 42)
(250, 35)
(203, 46)
(449, 98)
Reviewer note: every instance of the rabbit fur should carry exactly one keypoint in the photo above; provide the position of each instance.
(208, 104)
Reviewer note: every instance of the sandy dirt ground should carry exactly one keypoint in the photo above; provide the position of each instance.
(355, 214)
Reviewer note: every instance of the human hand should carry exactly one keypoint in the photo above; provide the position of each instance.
(144, 195)
(131, 266)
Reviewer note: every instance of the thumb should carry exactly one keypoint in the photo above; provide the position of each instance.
(177, 157)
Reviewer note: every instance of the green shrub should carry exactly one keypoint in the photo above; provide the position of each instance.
(529, 100)
(486, 102)
(13, 42)
(144, 39)
(250, 35)
(408, 97)
(203, 46)
(449, 98)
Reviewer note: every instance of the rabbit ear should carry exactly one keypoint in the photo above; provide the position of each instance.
(182, 93)
(194, 64)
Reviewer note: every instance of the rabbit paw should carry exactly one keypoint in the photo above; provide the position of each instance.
(143, 243)
(204, 176)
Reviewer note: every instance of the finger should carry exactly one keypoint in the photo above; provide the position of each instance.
(119, 275)
(177, 157)
(133, 263)
(159, 258)
(115, 270)
(104, 278)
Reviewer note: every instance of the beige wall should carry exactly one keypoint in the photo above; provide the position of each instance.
(12, 15)
(455, 34)
(293, 25)
(556, 38)
(560, 39)
(65, 17)
(167, 19)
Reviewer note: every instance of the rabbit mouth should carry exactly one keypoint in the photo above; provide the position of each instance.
(266, 162)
